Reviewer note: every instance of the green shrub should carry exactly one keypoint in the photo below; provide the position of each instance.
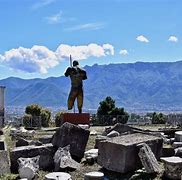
(40, 116)
(45, 117)
(59, 118)
(27, 118)
(158, 118)
(33, 109)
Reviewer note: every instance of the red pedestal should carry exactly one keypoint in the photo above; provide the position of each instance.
(76, 118)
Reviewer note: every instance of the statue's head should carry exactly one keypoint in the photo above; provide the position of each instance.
(75, 63)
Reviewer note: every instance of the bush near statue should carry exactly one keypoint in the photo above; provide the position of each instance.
(36, 116)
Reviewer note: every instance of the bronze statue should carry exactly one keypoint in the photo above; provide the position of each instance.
(77, 75)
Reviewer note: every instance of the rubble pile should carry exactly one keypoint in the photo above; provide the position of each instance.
(121, 149)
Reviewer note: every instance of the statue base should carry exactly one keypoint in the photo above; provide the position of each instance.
(76, 118)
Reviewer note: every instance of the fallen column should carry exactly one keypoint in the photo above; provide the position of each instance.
(148, 159)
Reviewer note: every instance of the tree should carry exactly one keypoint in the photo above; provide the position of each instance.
(40, 116)
(106, 106)
(45, 117)
(33, 109)
(158, 118)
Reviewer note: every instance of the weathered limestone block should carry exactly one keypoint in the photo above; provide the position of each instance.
(148, 159)
(35, 142)
(167, 151)
(63, 159)
(46, 139)
(28, 167)
(46, 153)
(91, 153)
(2, 143)
(115, 153)
(173, 167)
(22, 142)
(98, 139)
(178, 152)
(178, 136)
(94, 176)
(58, 176)
(21, 132)
(91, 156)
(121, 128)
(76, 137)
(113, 134)
(4, 162)
(177, 144)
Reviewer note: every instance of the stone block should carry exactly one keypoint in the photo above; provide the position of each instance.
(148, 159)
(22, 142)
(178, 136)
(46, 153)
(70, 134)
(120, 128)
(98, 139)
(120, 154)
(75, 118)
(177, 144)
(113, 134)
(178, 152)
(46, 139)
(4, 162)
(2, 143)
(173, 167)
(167, 151)
(94, 176)
(63, 159)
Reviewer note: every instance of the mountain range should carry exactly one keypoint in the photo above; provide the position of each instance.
(135, 86)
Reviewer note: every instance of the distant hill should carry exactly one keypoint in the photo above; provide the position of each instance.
(145, 86)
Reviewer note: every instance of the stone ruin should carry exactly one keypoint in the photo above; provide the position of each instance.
(121, 149)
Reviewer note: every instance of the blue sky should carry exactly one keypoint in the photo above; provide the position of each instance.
(37, 36)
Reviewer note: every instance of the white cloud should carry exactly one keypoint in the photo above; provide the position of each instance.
(36, 59)
(84, 52)
(109, 49)
(173, 39)
(40, 58)
(87, 26)
(42, 3)
(123, 52)
(54, 19)
(142, 38)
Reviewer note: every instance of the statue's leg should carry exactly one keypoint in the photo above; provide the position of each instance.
(80, 100)
(71, 98)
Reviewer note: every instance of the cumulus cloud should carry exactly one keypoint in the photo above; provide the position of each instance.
(40, 58)
(36, 59)
(84, 52)
(173, 39)
(142, 38)
(123, 52)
